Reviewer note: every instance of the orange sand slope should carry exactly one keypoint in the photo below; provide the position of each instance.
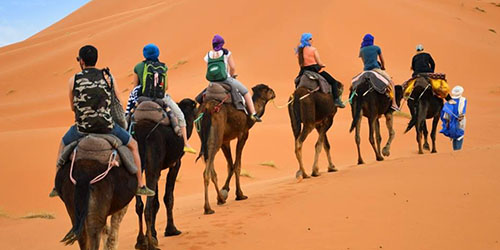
(447, 200)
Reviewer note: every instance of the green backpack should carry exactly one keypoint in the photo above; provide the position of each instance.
(154, 79)
(216, 70)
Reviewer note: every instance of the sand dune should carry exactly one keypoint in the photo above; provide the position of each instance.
(442, 201)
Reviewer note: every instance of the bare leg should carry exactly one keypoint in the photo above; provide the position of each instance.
(137, 160)
(249, 102)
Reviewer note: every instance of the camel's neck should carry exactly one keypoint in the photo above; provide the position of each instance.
(260, 106)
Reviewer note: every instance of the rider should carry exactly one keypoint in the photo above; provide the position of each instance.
(151, 53)
(309, 60)
(369, 54)
(90, 98)
(422, 62)
(217, 52)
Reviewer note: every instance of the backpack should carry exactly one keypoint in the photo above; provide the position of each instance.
(154, 79)
(92, 102)
(451, 124)
(216, 69)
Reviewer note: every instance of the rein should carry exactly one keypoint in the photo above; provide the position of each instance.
(101, 176)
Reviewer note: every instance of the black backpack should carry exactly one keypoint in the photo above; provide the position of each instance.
(154, 78)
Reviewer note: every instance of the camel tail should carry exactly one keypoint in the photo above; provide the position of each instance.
(81, 202)
(206, 123)
(356, 110)
(295, 119)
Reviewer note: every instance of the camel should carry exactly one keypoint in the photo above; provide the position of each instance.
(315, 111)
(423, 104)
(89, 205)
(218, 129)
(365, 101)
(160, 148)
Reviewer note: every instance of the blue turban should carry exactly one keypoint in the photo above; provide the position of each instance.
(304, 40)
(151, 52)
(367, 40)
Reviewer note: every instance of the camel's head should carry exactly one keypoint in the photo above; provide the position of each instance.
(262, 91)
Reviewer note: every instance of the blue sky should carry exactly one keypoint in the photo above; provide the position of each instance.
(23, 18)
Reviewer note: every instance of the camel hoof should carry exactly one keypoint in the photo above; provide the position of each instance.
(241, 197)
(224, 194)
(386, 152)
(420, 152)
(209, 211)
(315, 174)
(220, 202)
(141, 246)
(361, 162)
(298, 175)
(332, 169)
(380, 158)
(426, 146)
(434, 151)
(172, 232)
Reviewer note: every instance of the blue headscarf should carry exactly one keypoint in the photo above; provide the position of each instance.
(367, 40)
(151, 52)
(304, 40)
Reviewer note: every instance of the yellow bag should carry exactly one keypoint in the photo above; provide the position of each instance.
(439, 86)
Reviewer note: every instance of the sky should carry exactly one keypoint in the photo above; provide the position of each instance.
(20, 19)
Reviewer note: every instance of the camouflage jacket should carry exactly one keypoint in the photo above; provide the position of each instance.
(92, 102)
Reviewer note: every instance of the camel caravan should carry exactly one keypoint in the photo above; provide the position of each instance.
(106, 155)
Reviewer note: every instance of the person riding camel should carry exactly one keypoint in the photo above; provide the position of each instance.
(221, 56)
(422, 62)
(90, 98)
(309, 60)
(151, 53)
(369, 54)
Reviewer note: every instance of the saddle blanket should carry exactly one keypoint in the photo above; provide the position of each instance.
(381, 84)
(438, 82)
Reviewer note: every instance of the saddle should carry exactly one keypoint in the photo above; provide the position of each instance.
(312, 80)
(377, 81)
(440, 87)
(222, 92)
(151, 109)
(99, 147)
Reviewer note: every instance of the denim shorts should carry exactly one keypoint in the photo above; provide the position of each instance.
(73, 134)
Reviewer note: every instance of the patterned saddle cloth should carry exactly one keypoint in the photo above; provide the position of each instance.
(311, 80)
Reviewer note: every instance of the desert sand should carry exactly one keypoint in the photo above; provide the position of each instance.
(447, 200)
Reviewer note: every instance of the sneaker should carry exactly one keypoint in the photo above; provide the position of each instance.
(53, 193)
(189, 150)
(395, 108)
(339, 103)
(255, 118)
(145, 191)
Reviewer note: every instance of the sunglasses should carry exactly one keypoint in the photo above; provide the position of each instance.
(78, 59)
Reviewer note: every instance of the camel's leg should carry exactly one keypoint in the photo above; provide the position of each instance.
(435, 121)
(152, 183)
(326, 145)
(298, 150)
(317, 151)
(422, 111)
(378, 137)
(239, 151)
(168, 199)
(389, 122)
(83, 242)
(111, 242)
(357, 138)
(426, 133)
(94, 225)
(139, 209)
(372, 121)
(226, 149)
(156, 208)
(206, 181)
